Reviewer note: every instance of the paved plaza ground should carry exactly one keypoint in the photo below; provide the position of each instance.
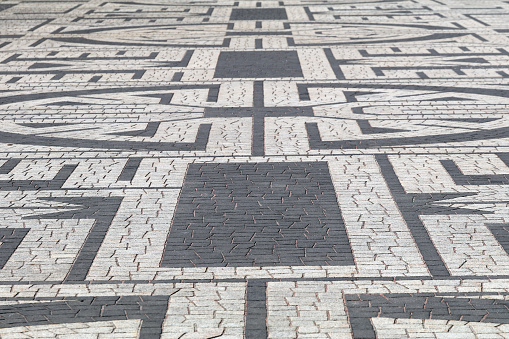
(254, 169)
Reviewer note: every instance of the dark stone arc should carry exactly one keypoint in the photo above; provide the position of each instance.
(304, 94)
(226, 43)
(435, 36)
(408, 25)
(151, 56)
(52, 95)
(121, 28)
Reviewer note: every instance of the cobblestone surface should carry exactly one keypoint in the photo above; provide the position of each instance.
(254, 169)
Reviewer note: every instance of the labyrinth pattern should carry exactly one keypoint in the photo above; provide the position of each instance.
(254, 169)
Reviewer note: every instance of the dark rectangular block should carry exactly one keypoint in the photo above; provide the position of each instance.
(245, 214)
(258, 64)
(258, 14)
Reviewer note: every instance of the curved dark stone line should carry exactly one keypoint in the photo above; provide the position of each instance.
(435, 36)
(378, 24)
(24, 139)
(401, 25)
(303, 90)
(226, 43)
(50, 95)
(104, 29)
(316, 142)
(304, 95)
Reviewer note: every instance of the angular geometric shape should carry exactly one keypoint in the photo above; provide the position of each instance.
(362, 307)
(501, 233)
(151, 310)
(366, 128)
(10, 238)
(125, 329)
(37, 185)
(258, 14)
(462, 179)
(257, 214)
(47, 65)
(102, 209)
(149, 131)
(3, 7)
(258, 64)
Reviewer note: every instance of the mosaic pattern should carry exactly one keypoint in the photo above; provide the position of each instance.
(254, 169)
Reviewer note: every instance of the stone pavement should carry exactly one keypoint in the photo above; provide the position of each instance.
(257, 169)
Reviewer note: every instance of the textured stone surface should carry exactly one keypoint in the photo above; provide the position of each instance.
(257, 169)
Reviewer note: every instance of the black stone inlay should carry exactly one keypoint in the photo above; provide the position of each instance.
(362, 307)
(258, 14)
(150, 309)
(257, 214)
(258, 64)
(258, 144)
(256, 310)
(10, 238)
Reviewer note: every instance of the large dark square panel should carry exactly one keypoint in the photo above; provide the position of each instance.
(257, 214)
(258, 14)
(258, 64)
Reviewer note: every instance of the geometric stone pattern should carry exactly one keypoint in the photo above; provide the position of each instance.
(255, 169)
